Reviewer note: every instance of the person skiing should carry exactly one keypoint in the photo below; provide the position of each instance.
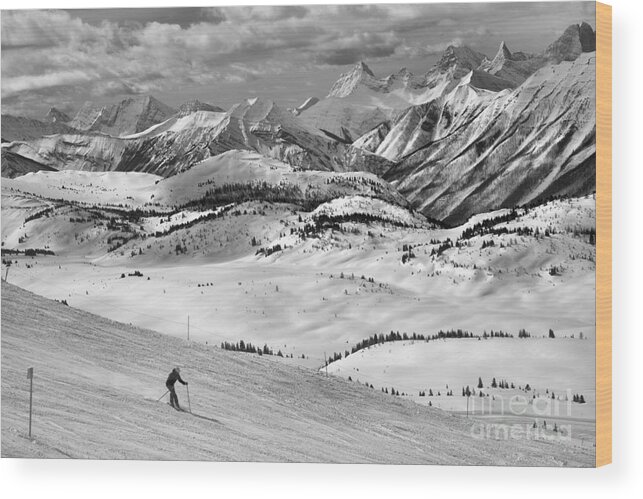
(174, 376)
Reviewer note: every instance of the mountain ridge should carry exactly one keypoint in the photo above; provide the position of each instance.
(129, 116)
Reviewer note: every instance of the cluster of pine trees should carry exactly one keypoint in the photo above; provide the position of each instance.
(579, 399)
(118, 240)
(27, 252)
(407, 254)
(496, 334)
(423, 393)
(239, 192)
(269, 251)
(393, 392)
(186, 225)
(485, 226)
(42, 213)
(442, 248)
(396, 336)
(242, 346)
(323, 220)
(502, 384)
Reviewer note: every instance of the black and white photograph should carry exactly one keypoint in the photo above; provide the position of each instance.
(300, 234)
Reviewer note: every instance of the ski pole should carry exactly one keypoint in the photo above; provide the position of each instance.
(189, 405)
(166, 392)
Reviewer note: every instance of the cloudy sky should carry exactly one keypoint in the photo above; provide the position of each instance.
(222, 55)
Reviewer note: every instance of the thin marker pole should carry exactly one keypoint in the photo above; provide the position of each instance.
(30, 376)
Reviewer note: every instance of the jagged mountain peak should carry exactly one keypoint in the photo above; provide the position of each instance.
(55, 115)
(349, 81)
(587, 37)
(195, 105)
(576, 39)
(362, 67)
(503, 51)
(361, 76)
(460, 57)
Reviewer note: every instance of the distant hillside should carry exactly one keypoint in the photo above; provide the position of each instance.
(176, 144)
(96, 382)
(14, 165)
(20, 128)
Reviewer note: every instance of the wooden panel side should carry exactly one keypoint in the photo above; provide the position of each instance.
(603, 234)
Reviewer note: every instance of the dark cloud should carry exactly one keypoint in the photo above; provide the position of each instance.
(183, 16)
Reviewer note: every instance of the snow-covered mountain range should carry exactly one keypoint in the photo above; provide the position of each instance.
(472, 134)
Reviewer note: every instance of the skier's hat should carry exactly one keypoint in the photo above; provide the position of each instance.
(177, 369)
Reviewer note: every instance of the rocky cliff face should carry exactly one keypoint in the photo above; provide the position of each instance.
(525, 145)
(196, 105)
(56, 116)
(514, 68)
(127, 117)
(576, 39)
(14, 165)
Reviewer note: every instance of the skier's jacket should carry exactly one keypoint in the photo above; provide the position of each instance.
(173, 378)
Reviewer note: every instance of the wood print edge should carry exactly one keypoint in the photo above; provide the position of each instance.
(603, 234)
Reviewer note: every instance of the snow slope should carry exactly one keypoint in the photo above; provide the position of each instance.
(134, 189)
(563, 366)
(313, 293)
(96, 381)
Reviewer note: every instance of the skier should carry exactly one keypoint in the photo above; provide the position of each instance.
(174, 376)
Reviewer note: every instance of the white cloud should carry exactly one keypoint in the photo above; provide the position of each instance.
(426, 50)
(17, 84)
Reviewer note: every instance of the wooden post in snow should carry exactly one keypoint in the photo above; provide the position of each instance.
(30, 378)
